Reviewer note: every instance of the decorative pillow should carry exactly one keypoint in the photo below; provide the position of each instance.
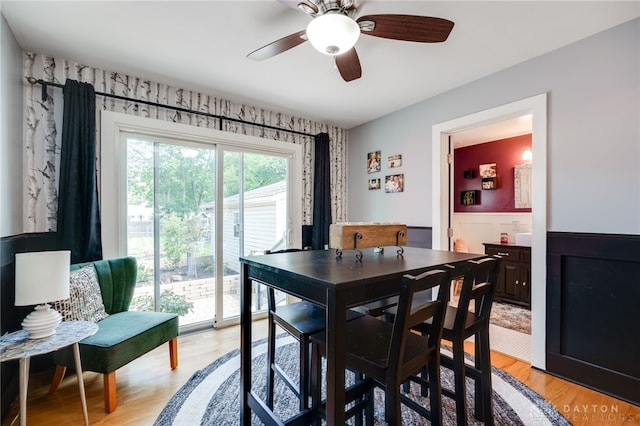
(85, 299)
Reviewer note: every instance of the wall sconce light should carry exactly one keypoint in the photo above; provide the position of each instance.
(527, 155)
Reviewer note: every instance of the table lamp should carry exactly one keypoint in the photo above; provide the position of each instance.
(42, 277)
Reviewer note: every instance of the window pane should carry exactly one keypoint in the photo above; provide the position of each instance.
(175, 252)
(140, 219)
(254, 218)
(231, 234)
(265, 211)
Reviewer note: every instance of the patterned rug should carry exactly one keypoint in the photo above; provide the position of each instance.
(511, 316)
(211, 396)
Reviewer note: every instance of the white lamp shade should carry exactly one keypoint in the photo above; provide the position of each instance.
(42, 277)
(333, 33)
(527, 155)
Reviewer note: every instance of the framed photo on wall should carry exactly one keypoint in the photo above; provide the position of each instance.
(488, 170)
(394, 183)
(488, 173)
(374, 184)
(373, 161)
(394, 161)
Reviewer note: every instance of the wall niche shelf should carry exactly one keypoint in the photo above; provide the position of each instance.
(469, 198)
(489, 183)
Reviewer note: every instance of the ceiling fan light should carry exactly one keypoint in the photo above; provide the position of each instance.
(333, 33)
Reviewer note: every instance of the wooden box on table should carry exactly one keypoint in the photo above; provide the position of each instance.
(349, 236)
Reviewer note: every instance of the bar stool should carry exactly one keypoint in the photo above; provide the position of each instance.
(300, 319)
(460, 323)
(387, 354)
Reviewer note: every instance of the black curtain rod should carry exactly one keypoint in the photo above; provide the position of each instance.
(44, 84)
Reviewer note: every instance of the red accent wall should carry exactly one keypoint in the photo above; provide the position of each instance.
(506, 153)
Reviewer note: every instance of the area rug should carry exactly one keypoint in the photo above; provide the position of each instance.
(511, 316)
(509, 342)
(211, 395)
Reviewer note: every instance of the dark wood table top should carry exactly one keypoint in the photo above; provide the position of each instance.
(322, 267)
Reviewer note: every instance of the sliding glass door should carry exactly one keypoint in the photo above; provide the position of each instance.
(254, 212)
(170, 226)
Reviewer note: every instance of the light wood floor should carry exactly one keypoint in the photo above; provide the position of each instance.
(145, 385)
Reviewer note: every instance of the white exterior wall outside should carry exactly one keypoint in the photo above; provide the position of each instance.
(261, 227)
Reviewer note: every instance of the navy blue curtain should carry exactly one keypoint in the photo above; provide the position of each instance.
(78, 214)
(321, 193)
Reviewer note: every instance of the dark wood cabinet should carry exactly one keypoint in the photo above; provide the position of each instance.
(514, 281)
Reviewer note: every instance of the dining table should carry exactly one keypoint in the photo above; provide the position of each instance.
(336, 282)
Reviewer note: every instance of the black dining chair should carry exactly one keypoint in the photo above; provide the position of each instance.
(379, 308)
(387, 354)
(299, 319)
(469, 318)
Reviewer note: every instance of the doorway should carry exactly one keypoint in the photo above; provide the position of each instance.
(442, 193)
(493, 213)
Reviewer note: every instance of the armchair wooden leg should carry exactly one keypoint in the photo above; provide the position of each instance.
(109, 380)
(58, 375)
(173, 352)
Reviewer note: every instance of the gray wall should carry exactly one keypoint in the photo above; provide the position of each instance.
(10, 133)
(593, 159)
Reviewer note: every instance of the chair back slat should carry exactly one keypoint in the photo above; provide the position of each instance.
(407, 317)
(423, 312)
(485, 283)
(478, 287)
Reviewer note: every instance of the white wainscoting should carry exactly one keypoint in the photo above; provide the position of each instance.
(478, 228)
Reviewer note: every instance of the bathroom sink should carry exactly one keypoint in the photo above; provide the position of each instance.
(523, 239)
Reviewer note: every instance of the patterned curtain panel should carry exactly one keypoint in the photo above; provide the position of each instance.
(44, 118)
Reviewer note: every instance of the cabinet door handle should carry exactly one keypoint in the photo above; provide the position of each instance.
(524, 283)
(503, 254)
(517, 281)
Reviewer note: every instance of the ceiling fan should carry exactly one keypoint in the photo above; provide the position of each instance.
(334, 31)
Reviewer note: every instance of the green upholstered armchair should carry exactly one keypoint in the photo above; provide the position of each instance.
(122, 336)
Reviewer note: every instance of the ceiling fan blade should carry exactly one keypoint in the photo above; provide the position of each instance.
(349, 65)
(278, 46)
(423, 29)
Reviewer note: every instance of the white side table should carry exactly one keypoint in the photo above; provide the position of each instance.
(17, 345)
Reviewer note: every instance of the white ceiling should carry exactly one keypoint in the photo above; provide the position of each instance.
(492, 132)
(202, 45)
